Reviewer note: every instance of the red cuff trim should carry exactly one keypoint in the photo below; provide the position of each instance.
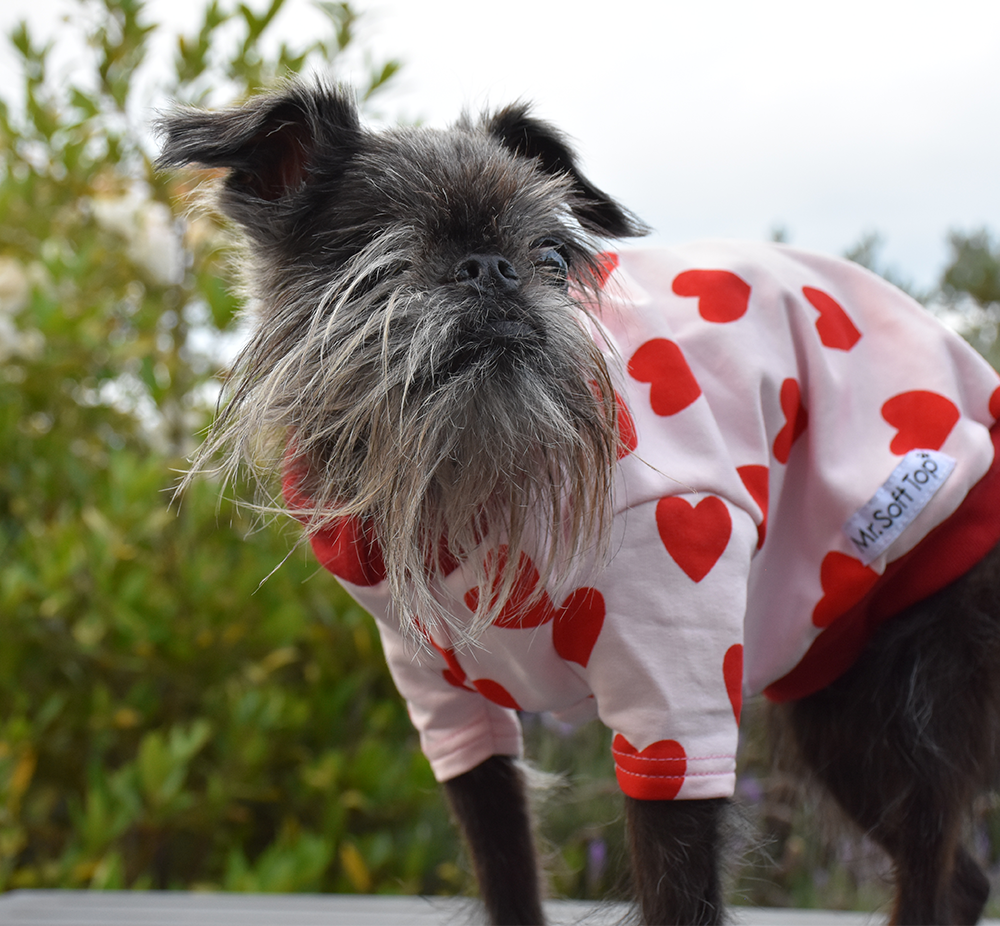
(655, 774)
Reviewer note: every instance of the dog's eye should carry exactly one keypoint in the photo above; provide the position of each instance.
(551, 255)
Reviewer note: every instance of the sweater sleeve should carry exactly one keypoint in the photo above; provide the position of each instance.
(459, 728)
(667, 669)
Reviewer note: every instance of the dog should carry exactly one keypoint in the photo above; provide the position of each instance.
(629, 484)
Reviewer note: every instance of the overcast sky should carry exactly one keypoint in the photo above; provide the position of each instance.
(718, 117)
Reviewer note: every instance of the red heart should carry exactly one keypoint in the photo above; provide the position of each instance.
(604, 265)
(447, 562)
(291, 482)
(519, 610)
(796, 419)
(732, 672)
(923, 419)
(661, 363)
(458, 681)
(496, 693)
(722, 296)
(655, 774)
(695, 536)
(755, 478)
(348, 548)
(454, 674)
(845, 582)
(578, 624)
(628, 438)
(350, 551)
(995, 403)
(834, 325)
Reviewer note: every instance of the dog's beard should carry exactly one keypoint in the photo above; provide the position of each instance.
(444, 441)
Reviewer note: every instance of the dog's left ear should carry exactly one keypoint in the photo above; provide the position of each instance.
(532, 138)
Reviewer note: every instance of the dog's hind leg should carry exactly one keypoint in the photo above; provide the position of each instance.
(490, 804)
(906, 739)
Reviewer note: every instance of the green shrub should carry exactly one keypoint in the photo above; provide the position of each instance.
(167, 718)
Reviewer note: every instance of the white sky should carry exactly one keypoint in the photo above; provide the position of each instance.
(718, 117)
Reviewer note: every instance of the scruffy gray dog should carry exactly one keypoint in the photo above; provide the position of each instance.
(636, 485)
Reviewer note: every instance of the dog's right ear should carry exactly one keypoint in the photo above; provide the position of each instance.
(271, 147)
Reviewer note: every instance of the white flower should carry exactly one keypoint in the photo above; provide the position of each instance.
(15, 289)
(14, 286)
(148, 227)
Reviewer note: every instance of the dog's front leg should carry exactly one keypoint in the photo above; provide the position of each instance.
(492, 810)
(674, 846)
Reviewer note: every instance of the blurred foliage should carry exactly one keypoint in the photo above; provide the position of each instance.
(867, 251)
(971, 289)
(164, 721)
(967, 296)
(167, 718)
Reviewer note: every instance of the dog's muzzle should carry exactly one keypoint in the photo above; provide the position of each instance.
(496, 319)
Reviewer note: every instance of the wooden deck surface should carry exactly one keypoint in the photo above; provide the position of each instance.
(169, 908)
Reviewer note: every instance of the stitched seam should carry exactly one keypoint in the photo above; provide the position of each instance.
(640, 758)
(681, 777)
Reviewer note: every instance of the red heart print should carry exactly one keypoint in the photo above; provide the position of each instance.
(845, 581)
(722, 296)
(454, 674)
(834, 325)
(732, 673)
(291, 482)
(755, 478)
(695, 536)
(655, 774)
(628, 437)
(604, 265)
(447, 562)
(995, 403)
(578, 621)
(796, 419)
(495, 692)
(455, 680)
(349, 550)
(923, 420)
(578, 624)
(661, 363)
(520, 610)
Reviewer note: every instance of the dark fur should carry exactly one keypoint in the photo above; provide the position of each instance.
(386, 270)
(909, 736)
(371, 262)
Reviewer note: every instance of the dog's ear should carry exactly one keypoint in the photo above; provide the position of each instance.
(516, 130)
(271, 147)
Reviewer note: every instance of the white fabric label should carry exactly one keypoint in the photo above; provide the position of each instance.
(875, 525)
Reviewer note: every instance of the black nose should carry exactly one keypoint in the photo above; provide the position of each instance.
(483, 272)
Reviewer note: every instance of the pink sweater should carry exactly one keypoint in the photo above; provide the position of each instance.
(769, 395)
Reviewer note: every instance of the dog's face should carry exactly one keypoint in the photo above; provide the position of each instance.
(419, 358)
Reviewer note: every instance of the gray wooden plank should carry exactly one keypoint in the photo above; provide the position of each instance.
(180, 908)
(154, 908)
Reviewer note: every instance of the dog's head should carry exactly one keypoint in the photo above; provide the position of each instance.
(419, 358)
